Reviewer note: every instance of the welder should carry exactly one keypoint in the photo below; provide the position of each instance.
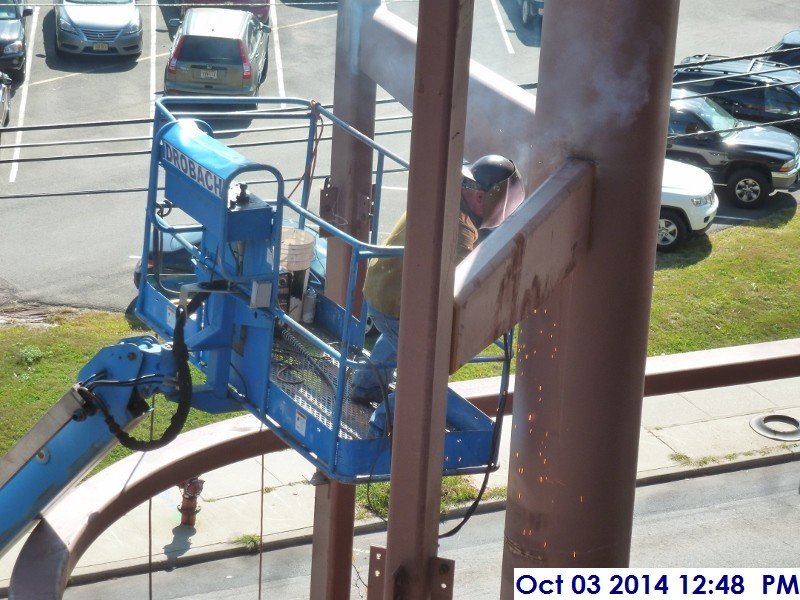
(491, 189)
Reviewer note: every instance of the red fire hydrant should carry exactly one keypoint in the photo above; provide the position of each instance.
(190, 490)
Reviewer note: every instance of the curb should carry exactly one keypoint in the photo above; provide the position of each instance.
(719, 469)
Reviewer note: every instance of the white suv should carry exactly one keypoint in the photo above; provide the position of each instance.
(688, 204)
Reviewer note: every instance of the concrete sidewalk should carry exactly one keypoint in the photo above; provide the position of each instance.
(681, 435)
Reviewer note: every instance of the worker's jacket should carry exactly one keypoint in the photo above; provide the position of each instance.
(384, 275)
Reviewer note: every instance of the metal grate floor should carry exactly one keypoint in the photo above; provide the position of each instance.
(310, 377)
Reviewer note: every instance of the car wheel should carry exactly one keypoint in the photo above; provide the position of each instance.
(527, 13)
(748, 188)
(672, 230)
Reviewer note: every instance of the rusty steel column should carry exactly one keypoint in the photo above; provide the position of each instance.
(351, 174)
(437, 145)
(603, 95)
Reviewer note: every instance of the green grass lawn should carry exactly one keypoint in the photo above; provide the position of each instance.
(39, 364)
(741, 285)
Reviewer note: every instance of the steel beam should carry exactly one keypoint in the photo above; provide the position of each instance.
(437, 138)
(514, 269)
(676, 373)
(351, 172)
(494, 103)
(603, 95)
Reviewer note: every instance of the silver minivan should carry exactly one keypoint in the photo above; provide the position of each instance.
(217, 51)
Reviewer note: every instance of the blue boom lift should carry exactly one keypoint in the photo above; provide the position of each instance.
(233, 322)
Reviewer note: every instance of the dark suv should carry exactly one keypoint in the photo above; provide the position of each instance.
(751, 161)
(753, 90)
(13, 43)
(789, 48)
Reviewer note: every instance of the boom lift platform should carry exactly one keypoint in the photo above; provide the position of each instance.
(231, 321)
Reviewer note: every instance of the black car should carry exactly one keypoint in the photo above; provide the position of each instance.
(789, 48)
(752, 161)
(13, 39)
(5, 99)
(753, 90)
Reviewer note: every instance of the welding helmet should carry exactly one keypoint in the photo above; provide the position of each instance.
(497, 177)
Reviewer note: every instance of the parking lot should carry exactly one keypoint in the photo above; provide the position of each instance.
(72, 196)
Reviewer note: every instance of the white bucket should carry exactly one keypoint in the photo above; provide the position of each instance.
(297, 249)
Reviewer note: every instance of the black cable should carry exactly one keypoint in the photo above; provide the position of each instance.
(498, 426)
(184, 376)
(386, 435)
(91, 384)
(293, 342)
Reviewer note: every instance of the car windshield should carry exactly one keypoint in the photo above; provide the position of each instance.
(8, 11)
(716, 117)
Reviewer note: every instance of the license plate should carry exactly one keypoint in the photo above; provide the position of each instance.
(99, 46)
(208, 74)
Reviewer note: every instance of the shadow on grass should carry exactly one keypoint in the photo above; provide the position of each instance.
(691, 253)
(783, 213)
(130, 316)
(699, 248)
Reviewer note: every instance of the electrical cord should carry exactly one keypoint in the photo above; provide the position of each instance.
(498, 426)
(386, 435)
(184, 378)
(308, 175)
(296, 345)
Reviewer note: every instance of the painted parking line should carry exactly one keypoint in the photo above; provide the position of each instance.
(309, 21)
(153, 18)
(12, 176)
(720, 218)
(273, 18)
(503, 32)
(97, 70)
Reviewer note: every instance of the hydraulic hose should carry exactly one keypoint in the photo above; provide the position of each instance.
(184, 377)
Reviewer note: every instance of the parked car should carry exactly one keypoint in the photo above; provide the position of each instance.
(260, 8)
(102, 27)
(531, 11)
(13, 38)
(217, 52)
(5, 99)
(755, 90)
(791, 44)
(175, 259)
(688, 204)
(752, 161)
